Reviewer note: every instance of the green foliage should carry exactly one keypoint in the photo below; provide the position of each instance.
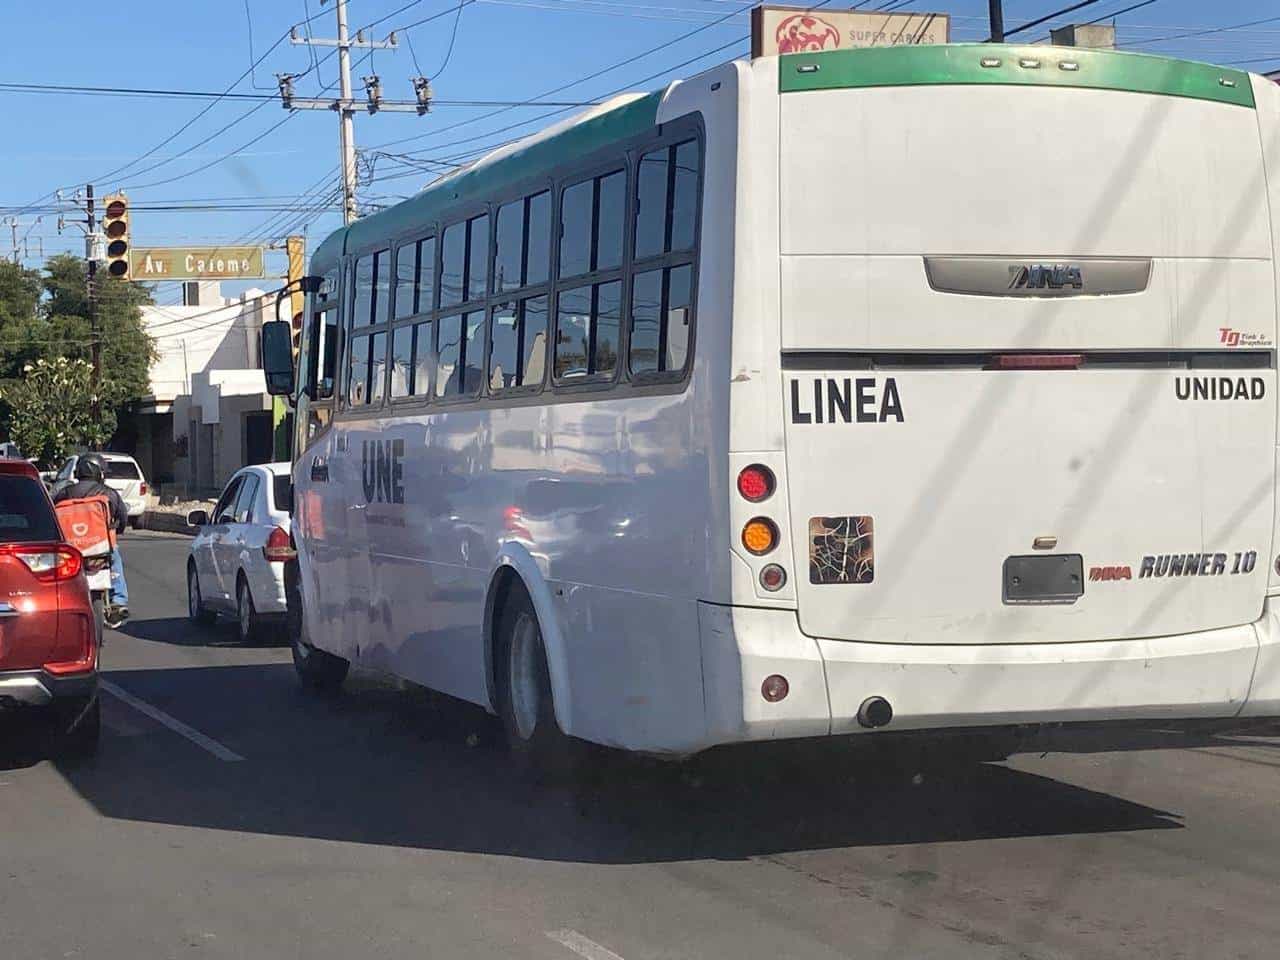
(45, 318)
(51, 409)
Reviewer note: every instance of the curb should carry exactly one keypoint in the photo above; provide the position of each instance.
(166, 522)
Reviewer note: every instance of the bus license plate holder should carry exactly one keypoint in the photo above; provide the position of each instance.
(1056, 578)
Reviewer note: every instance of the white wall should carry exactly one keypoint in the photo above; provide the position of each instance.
(192, 340)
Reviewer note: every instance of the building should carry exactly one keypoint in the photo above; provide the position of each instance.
(208, 411)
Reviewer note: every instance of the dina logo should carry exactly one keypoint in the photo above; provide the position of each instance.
(801, 33)
(1040, 276)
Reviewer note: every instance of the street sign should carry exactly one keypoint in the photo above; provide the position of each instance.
(805, 30)
(196, 263)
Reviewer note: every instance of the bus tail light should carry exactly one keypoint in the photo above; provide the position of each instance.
(775, 688)
(1036, 361)
(278, 548)
(755, 483)
(760, 535)
(773, 578)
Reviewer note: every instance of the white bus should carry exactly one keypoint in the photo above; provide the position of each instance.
(907, 389)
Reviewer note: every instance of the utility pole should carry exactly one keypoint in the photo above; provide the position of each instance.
(345, 105)
(996, 9)
(346, 121)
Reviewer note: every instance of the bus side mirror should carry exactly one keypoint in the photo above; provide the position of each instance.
(277, 357)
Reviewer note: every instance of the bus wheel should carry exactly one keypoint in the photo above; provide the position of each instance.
(535, 742)
(317, 669)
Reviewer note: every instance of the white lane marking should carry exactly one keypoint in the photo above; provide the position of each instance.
(173, 723)
(581, 945)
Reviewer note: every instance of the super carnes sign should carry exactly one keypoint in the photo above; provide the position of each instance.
(800, 30)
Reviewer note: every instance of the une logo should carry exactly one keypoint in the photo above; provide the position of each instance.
(80, 529)
(382, 470)
(802, 32)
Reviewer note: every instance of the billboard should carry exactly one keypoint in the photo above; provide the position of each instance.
(804, 30)
(196, 263)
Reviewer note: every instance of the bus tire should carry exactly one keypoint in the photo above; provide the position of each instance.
(537, 747)
(317, 670)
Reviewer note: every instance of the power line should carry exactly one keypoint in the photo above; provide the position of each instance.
(452, 39)
(1116, 13)
(1206, 32)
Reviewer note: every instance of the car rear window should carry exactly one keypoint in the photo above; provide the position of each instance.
(122, 470)
(25, 514)
(282, 492)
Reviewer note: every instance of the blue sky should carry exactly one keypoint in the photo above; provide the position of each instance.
(504, 50)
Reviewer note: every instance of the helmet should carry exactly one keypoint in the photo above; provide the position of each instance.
(91, 467)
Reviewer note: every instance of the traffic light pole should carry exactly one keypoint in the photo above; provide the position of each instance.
(95, 350)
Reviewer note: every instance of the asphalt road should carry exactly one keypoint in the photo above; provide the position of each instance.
(230, 815)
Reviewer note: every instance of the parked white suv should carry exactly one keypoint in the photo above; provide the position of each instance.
(123, 475)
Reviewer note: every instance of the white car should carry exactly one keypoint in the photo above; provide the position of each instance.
(123, 475)
(238, 554)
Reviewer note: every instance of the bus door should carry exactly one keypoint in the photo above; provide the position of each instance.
(313, 520)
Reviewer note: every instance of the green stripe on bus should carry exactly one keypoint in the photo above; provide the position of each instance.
(963, 64)
(535, 160)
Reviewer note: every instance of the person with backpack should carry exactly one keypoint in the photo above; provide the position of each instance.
(91, 482)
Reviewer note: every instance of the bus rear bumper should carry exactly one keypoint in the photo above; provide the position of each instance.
(1223, 673)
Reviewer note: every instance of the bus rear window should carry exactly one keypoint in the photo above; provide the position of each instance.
(25, 513)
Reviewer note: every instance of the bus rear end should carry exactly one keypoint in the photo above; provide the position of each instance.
(1026, 323)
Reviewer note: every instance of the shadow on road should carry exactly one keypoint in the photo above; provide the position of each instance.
(381, 765)
(181, 632)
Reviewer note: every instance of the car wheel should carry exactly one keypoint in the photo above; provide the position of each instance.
(246, 615)
(196, 610)
(537, 746)
(316, 669)
(134, 523)
(79, 742)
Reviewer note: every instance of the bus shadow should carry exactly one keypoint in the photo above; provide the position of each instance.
(382, 765)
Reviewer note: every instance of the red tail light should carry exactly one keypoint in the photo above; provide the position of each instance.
(755, 483)
(142, 489)
(48, 562)
(278, 548)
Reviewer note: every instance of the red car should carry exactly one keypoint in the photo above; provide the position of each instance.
(49, 636)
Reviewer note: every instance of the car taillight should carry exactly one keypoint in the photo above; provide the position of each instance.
(48, 562)
(142, 489)
(278, 548)
(755, 483)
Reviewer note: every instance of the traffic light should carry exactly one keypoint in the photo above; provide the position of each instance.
(115, 224)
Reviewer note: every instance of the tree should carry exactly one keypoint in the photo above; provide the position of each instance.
(51, 409)
(46, 317)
